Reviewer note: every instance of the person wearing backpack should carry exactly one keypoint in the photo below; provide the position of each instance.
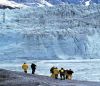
(62, 74)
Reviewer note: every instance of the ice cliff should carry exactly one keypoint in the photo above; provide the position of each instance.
(57, 32)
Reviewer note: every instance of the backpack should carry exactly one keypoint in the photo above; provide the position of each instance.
(62, 71)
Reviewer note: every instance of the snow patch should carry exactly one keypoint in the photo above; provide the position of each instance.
(87, 3)
(11, 4)
(42, 3)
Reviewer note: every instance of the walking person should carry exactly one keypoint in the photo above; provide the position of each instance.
(25, 67)
(62, 74)
(33, 67)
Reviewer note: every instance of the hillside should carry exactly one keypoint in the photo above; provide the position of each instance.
(12, 78)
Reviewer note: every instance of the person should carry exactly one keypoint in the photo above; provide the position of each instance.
(52, 72)
(66, 74)
(62, 73)
(25, 67)
(69, 74)
(56, 72)
(33, 67)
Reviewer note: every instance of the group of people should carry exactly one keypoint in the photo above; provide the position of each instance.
(55, 72)
(25, 67)
(64, 74)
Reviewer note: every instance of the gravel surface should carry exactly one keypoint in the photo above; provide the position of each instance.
(13, 78)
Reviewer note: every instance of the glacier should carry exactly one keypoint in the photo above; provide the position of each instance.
(54, 2)
(10, 4)
(59, 32)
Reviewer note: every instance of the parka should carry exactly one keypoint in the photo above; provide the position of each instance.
(25, 67)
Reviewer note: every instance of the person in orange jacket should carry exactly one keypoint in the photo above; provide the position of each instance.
(56, 72)
(25, 67)
(52, 72)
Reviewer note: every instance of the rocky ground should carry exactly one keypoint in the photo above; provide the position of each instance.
(12, 78)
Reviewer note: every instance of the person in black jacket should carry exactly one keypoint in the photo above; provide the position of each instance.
(62, 73)
(51, 70)
(33, 67)
(69, 74)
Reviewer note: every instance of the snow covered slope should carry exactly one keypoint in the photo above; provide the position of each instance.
(58, 1)
(50, 3)
(58, 32)
(11, 4)
(40, 3)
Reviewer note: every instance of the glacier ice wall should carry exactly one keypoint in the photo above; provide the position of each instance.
(58, 32)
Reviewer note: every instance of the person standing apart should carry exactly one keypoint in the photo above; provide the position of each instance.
(25, 67)
(33, 67)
